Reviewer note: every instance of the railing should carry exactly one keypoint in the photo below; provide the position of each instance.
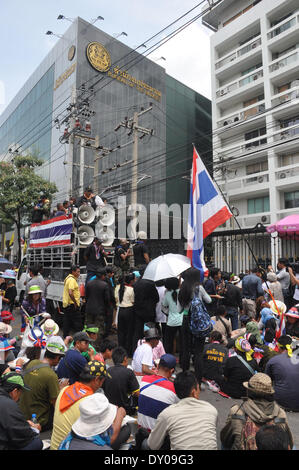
(250, 78)
(285, 96)
(280, 63)
(246, 182)
(286, 133)
(249, 111)
(287, 172)
(239, 52)
(287, 24)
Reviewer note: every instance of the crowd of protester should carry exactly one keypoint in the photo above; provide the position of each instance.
(126, 353)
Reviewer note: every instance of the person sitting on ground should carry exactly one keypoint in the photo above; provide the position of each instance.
(33, 305)
(92, 332)
(40, 377)
(284, 372)
(15, 432)
(272, 437)
(73, 363)
(238, 369)
(258, 409)
(67, 410)
(292, 322)
(122, 389)
(244, 319)
(158, 350)
(215, 355)
(190, 423)
(222, 324)
(156, 392)
(105, 350)
(99, 426)
(142, 362)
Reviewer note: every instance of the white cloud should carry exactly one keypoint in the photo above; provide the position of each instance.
(188, 58)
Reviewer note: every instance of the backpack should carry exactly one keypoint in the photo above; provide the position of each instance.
(199, 320)
(249, 430)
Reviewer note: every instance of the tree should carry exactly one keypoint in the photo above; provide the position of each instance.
(20, 189)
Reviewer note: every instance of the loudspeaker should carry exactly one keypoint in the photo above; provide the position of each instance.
(105, 234)
(85, 235)
(106, 215)
(86, 214)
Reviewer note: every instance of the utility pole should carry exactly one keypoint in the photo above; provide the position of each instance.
(135, 129)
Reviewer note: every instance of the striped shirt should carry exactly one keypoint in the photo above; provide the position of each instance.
(154, 398)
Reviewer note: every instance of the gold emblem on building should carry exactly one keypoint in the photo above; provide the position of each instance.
(98, 57)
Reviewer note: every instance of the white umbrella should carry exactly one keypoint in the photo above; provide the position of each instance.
(165, 266)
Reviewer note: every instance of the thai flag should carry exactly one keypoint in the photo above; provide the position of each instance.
(52, 232)
(207, 210)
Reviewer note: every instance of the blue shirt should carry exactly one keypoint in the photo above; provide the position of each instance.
(252, 287)
(71, 365)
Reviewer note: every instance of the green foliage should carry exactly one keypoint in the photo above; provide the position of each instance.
(20, 188)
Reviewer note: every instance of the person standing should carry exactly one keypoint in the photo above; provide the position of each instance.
(122, 257)
(72, 319)
(210, 286)
(252, 288)
(98, 303)
(95, 257)
(124, 296)
(174, 317)
(233, 301)
(283, 277)
(146, 298)
(140, 250)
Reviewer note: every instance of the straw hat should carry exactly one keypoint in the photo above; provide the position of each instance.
(96, 415)
(282, 308)
(50, 328)
(260, 383)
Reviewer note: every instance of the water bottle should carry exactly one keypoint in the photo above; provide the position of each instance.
(34, 420)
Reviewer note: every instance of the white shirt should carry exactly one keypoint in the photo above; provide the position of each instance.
(160, 317)
(142, 355)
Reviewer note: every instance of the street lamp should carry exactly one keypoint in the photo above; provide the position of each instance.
(61, 17)
(120, 34)
(96, 19)
(50, 33)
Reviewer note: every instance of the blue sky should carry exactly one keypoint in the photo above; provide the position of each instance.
(23, 43)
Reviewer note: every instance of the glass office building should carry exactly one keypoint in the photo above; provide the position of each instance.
(87, 63)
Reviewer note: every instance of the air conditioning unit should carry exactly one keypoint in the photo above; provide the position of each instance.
(265, 219)
(276, 67)
(255, 77)
(253, 46)
(223, 91)
(261, 179)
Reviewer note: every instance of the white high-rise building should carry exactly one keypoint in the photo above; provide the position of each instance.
(255, 112)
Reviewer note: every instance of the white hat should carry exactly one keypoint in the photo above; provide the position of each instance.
(5, 329)
(142, 235)
(235, 280)
(280, 305)
(56, 345)
(50, 328)
(96, 415)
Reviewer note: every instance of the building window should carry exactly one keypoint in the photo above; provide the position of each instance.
(254, 135)
(285, 160)
(258, 205)
(257, 167)
(291, 199)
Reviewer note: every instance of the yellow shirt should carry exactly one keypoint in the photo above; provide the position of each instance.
(63, 422)
(70, 283)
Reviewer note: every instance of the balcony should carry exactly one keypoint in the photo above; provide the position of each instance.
(287, 175)
(238, 53)
(286, 26)
(242, 115)
(244, 148)
(251, 220)
(250, 79)
(286, 96)
(287, 133)
(279, 64)
(257, 182)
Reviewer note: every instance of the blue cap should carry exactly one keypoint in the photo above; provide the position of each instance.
(168, 361)
(136, 273)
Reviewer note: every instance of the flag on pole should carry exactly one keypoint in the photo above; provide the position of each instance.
(207, 210)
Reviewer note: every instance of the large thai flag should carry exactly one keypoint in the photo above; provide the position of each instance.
(207, 211)
(52, 232)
